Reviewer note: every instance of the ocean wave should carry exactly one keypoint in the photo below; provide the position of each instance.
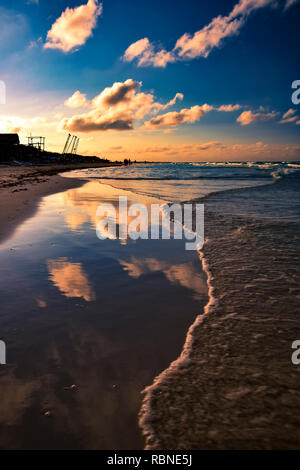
(187, 178)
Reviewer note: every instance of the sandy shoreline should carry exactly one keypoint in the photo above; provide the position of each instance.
(22, 187)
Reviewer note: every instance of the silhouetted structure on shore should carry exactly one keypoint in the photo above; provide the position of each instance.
(34, 153)
(37, 142)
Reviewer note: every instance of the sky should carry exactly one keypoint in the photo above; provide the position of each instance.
(154, 80)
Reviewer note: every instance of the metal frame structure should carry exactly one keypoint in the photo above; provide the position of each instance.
(71, 145)
(37, 142)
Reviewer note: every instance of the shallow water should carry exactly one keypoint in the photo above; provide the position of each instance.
(87, 324)
(239, 364)
(176, 182)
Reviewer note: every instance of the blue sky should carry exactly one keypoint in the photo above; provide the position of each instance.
(253, 68)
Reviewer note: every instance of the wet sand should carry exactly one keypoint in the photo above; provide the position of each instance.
(22, 187)
(88, 325)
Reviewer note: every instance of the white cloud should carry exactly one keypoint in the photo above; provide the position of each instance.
(73, 28)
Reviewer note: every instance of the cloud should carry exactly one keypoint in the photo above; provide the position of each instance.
(229, 108)
(77, 100)
(289, 113)
(174, 118)
(289, 116)
(178, 96)
(120, 92)
(16, 124)
(211, 36)
(190, 149)
(73, 27)
(115, 108)
(145, 52)
(248, 117)
(218, 151)
(201, 43)
(290, 3)
(210, 145)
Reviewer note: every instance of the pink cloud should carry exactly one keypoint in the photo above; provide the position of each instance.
(73, 28)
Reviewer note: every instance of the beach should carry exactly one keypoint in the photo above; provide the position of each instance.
(132, 344)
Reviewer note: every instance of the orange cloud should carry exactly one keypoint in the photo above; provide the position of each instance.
(174, 118)
(248, 117)
(145, 51)
(77, 100)
(115, 108)
(289, 116)
(73, 28)
(228, 108)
